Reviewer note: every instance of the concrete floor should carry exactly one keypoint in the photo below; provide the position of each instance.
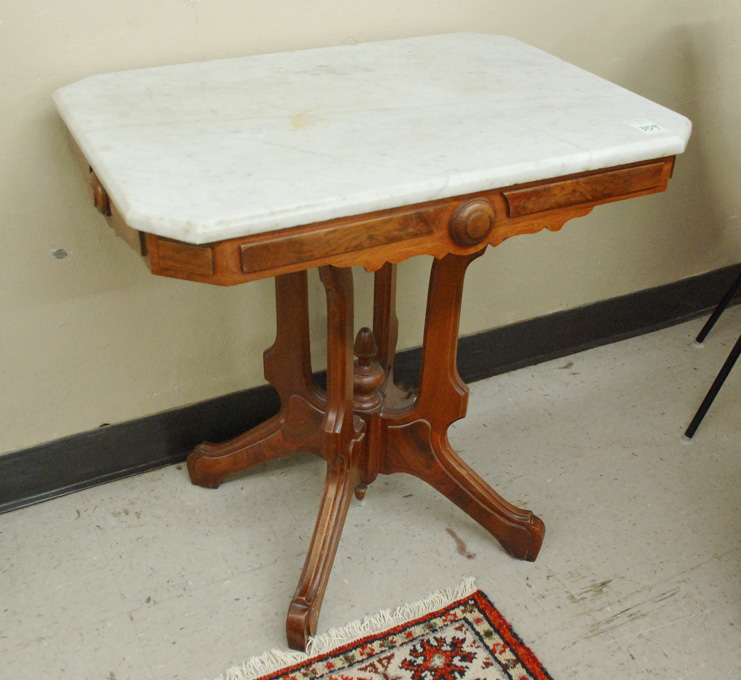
(638, 577)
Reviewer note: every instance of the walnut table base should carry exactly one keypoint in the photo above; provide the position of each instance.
(365, 425)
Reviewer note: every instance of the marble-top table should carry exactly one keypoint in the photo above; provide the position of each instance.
(228, 171)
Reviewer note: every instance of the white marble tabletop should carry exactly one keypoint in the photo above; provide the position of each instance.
(208, 151)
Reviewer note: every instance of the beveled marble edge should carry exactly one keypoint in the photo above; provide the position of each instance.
(182, 171)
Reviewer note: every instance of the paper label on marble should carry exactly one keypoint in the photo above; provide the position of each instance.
(645, 126)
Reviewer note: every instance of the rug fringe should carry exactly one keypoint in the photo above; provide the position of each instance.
(277, 659)
(370, 625)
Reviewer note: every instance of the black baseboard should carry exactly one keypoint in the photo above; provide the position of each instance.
(116, 451)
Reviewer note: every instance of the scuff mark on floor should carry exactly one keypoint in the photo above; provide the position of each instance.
(629, 614)
(593, 590)
(460, 546)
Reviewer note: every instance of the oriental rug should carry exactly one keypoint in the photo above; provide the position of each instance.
(456, 634)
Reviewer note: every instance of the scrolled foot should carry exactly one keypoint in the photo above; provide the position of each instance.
(525, 540)
(300, 623)
(201, 468)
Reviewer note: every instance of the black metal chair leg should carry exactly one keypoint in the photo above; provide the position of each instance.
(719, 309)
(714, 389)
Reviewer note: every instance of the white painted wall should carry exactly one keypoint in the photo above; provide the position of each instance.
(94, 337)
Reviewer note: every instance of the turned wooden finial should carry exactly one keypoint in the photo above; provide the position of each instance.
(368, 373)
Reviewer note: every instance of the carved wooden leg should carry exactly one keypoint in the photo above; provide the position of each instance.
(421, 451)
(385, 329)
(288, 368)
(343, 443)
(385, 323)
(417, 442)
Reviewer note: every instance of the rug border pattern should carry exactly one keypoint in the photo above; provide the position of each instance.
(381, 640)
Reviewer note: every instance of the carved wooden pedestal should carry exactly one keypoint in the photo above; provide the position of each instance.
(364, 424)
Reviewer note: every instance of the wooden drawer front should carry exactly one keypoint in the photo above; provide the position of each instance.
(584, 190)
(308, 246)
